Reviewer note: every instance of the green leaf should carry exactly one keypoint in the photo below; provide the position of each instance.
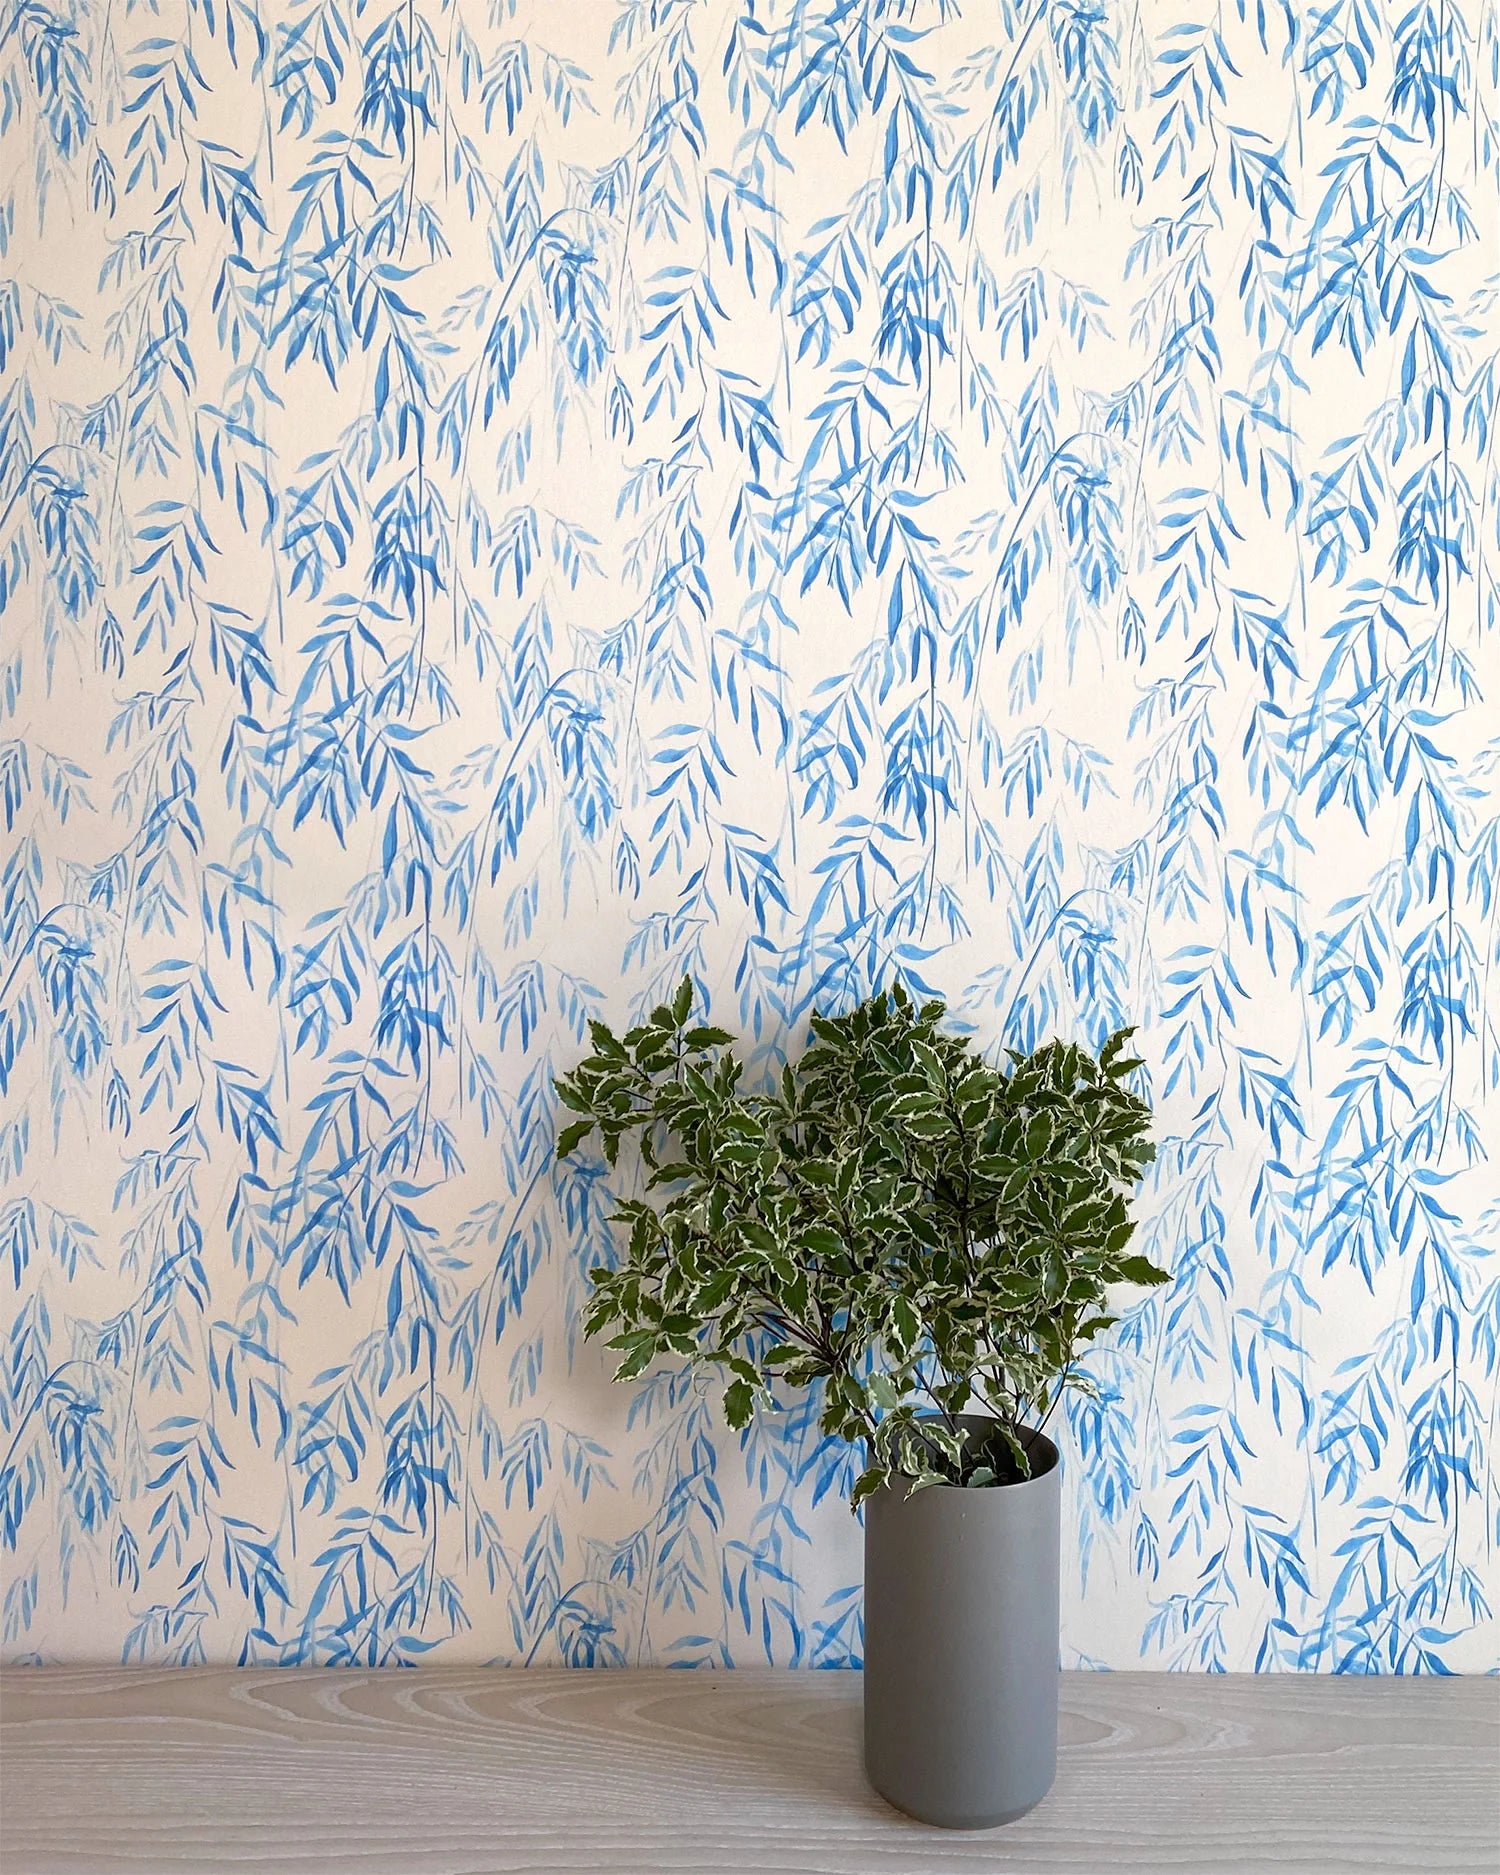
(930, 1060)
(682, 1002)
(739, 1403)
(605, 1041)
(640, 1357)
(673, 1173)
(819, 1241)
(716, 1292)
(1112, 1048)
(1141, 1270)
(794, 1296)
(872, 1479)
(570, 1136)
(883, 1391)
(902, 1327)
(933, 1435)
(804, 1368)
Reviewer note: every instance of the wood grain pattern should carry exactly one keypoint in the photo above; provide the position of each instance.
(465, 1771)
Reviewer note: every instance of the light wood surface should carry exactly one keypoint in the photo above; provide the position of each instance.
(477, 1772)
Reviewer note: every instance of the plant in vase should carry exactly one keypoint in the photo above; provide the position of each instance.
(930, 1238)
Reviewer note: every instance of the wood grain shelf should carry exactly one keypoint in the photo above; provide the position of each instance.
(470, 1771)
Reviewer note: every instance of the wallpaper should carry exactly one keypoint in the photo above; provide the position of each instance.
(504, 504)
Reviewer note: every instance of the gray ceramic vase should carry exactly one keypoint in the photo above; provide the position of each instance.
(961, 1645)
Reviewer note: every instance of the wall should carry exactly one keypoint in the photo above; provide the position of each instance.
(501, 507)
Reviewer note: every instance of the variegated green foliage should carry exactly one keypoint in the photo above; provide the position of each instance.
(897, 1220)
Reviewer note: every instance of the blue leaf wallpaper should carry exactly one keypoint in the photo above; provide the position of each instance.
(504, 504)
